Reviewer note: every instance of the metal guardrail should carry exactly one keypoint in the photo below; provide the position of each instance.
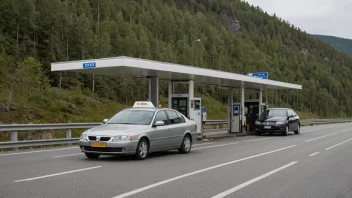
(27, 127)
(27, 143)
(14, 128)
(303, 122)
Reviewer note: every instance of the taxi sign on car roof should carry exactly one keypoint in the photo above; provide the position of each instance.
(143, 104)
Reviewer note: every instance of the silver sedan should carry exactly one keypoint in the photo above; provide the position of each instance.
(140, 131)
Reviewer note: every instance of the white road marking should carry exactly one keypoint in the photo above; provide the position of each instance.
(338, 144)
(197, 172)
(214, 146)
(203, 144)
(317, 129)
(39, 151)
(67, 155)
(56, 174)
(311, 130)
(321, 137)
(258, 139)
(345, 130)
(236, 188)
(313, 154)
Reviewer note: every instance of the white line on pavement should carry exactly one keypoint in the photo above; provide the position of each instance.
(318, 129)
(56, 174)
(203, 144)
(338, 144)
(39, 151)
(236, 188)
(321, 137)
(67, 155)
(258, 140)
(214, 146)
(313, 154)
(345, 130)
(196, 172)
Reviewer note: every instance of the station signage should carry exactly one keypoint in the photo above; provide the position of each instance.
(262, 75)
(89, 65)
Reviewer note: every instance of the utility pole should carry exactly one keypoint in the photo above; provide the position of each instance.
(297, 100)
(93, 83)
(60, 79)
(198, 40)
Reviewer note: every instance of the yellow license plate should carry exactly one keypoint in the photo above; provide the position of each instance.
(98, 144)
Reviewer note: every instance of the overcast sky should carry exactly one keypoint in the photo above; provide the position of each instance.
(327, 17)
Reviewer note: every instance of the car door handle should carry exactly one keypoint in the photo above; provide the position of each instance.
(168, 129)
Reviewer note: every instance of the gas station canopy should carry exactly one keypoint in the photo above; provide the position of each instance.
(167, 71)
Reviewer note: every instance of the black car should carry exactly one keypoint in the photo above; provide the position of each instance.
(278, 120)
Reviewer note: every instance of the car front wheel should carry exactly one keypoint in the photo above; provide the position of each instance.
(142, 149)
(285, 133)
(186, 145)
(298, 131)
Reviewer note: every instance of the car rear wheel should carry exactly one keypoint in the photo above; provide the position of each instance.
(92, 155)
(142, 149)
(186, 145)
(298, 131)
(285, 133)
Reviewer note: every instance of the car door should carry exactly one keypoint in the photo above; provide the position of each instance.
(291, 121)
(296, 118)
(179, 137)
(160, 136)
(176, 127)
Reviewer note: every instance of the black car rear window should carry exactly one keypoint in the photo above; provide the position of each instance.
(275, 113)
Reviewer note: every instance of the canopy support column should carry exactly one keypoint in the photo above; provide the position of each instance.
(242, 109)
(229, 114)
(190, 96)
(154, 90)
(260, 102)
(170, 94)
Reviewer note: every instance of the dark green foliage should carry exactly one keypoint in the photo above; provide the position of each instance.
(34, 33)
(341, 44)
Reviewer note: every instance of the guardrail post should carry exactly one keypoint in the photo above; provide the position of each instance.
(14, 139)
(217, 126)
(68, 134)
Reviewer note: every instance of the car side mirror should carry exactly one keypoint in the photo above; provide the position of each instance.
(105, 121)
(158, 123)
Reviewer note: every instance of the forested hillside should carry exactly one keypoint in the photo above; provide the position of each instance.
(235, 37)
(341, 44)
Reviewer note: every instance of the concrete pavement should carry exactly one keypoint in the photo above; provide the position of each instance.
(315, 163)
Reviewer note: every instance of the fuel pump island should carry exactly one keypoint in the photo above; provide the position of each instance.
(186, 103)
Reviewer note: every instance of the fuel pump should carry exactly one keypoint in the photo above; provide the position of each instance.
(195, 113)
(236, 118)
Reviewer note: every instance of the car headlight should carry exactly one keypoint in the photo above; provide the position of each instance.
(257, 123)
(120, 138)
(83, 136)
(280, 122)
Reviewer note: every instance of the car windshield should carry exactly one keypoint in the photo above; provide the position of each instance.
(274, 113)
(136, 117)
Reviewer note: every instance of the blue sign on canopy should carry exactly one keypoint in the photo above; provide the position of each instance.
(263, 75)
(89, 65)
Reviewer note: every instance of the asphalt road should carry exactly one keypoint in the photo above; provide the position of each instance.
(316, 163)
